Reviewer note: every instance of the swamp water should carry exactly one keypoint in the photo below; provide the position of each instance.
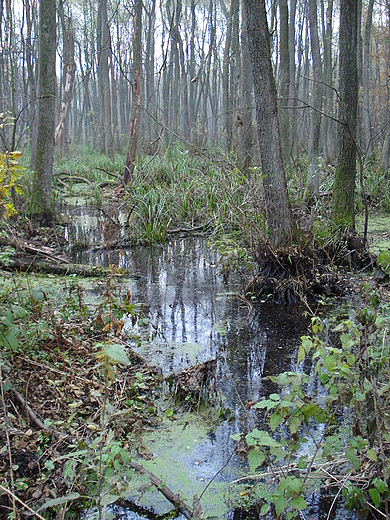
(199, 317)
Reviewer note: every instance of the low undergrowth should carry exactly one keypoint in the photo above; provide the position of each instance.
(329, 425)
(74, 400)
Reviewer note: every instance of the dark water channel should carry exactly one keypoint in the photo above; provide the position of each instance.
(199, 317)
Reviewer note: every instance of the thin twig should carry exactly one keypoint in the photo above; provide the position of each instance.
(14, 497)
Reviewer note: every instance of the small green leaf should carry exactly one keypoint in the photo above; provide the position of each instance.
(255, 459)
(264, 509)
(350, 453)
(263, 438)
(302, 462)
(280, 505)
(380, 485)
(301, 354)
(116, 353)
(37, 295)
(298, 503)
(294, 423)
(371, 454)
(109, 499)
(11, 341)
(169, 413)
(19, 312)
(375, 496)
(49, 465)
(275, 420)
(60, 500)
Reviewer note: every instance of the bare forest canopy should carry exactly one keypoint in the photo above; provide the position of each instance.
(195, 71)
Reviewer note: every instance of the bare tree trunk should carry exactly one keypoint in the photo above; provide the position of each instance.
(366, 79)
(193, 73)
(33, 120)
(136, 105)
(313, 180)
(386, 153)
(227, 71)
(343, 210)
(151, 116)
(68, 75)
(41, 203)
(246, 97)
(328, 127)
(292, 87)
(104, 46)
(284, 83)
(280, 220)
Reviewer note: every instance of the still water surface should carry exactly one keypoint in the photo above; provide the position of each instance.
(199, 317)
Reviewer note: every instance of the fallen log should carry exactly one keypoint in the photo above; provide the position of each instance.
(26, 247)
(40, 266)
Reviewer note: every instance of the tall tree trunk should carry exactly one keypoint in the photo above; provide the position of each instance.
(328, 127)
(292, 88)
(227, 71)
(343, 210)
(104, 46)
(30, 58)
(61, 130)
(313, 180)
(151, 116)
(366, 79)
(279, 215)
(193, 73)
(41, 202)
(246, 97)
(284, 84)
(136, 103)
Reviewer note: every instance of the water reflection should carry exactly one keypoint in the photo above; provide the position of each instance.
(200, 317)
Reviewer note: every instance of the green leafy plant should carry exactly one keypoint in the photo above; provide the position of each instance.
(303, 418)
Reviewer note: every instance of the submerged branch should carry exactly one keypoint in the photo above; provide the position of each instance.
(172, 497)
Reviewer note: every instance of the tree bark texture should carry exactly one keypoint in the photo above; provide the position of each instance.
(136, 105)
(343, 213)
(292, 86)
(228, 69)
(279, 215)
(366, 80)
(284, 83)
(328, 126)
(246, 132)
(313, 180)
(104, 47)
(68, 73)
(41, 204)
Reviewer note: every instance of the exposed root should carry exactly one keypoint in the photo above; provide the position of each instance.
(195, 380)
(287, 276)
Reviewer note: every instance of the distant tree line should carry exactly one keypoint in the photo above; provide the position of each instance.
(196, 84)
(142, 74)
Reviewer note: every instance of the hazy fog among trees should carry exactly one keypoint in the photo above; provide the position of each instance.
(195, 83)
